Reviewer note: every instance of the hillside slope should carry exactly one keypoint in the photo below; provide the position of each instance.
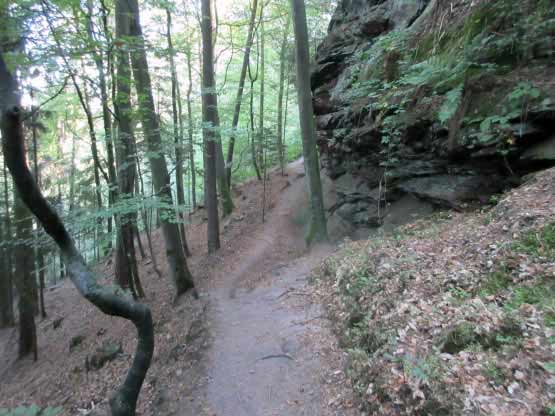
(455, 314)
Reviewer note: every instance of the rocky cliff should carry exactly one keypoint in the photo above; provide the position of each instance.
(427, 103)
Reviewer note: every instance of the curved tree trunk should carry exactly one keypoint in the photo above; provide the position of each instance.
(124, 401)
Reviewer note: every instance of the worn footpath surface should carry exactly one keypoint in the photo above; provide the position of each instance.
(269, 349)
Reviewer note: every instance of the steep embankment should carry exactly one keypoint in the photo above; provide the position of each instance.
(426, 104)
(453, 315)
(442, 104)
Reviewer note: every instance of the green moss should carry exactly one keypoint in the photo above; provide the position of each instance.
(464, 337)
(459, 338)
(491, 370)
(538, 242)
(541, 295)
(497, 281)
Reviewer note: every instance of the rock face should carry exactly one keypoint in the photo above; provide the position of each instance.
(445, 102)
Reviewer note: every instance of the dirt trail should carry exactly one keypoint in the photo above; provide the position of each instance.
(265, 355)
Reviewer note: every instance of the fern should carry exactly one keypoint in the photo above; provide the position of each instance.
(451, 104)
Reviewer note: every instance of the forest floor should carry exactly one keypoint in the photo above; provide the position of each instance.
(256, 343)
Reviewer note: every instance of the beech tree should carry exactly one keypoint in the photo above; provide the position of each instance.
(210, 123)
(317, 229)
(6, 278)
(177, 115)
(240, 88)
(174, 248)
(127, 274)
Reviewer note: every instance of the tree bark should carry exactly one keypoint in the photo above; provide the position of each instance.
(223, 186)
(126, 267)
(25, 281)
(252, 80)
(240, 88)
(174, 249)
(178, 135)
(106, 117)
(260, 135)
(6, 288)
(190, 129)
(209, 116)
(280, 124)
(38, 249)
(317, 229)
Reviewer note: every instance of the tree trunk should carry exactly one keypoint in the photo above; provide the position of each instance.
(241, 87)
(25, 281)
(178, 136)
(6, 290)
(174, 249)
(190, 129)
(223, 185)
(260, 135)
(317, 228)
(126, 267)
(252, 80)
(124, 401)
(38, 249)
(147, 223)
(280, 124)
(209, 116)
(106, 117)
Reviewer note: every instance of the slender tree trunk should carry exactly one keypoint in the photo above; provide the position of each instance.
(209, 115)
(147, 223)
(284, 147)
(72, 176)
(223, 186)
(178, 136)
(317, 228)
(25, 281)
(280, 124)
(6, 288)
(138, 237)
(38, 250)
(261, 135)
(252, 80)
(174, 248)
(241, 87)
(106, 117)
(190, 129)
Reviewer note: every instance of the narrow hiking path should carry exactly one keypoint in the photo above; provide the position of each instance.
(256, 343)
(268, 350)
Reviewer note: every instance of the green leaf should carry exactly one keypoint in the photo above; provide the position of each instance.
(451, 104)
(549, 366)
